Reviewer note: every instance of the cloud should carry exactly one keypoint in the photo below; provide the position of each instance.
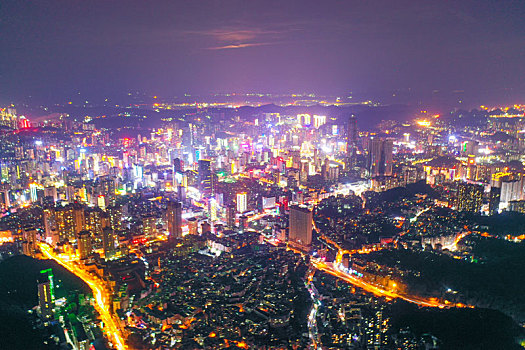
(238, 38)
(238, 46)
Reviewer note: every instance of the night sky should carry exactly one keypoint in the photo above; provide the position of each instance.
(417, 50)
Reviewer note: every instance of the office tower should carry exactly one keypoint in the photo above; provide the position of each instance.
(380, 157)
(351, 140)
(45, 301)
(174, 219)
(470, 197)
(85, 247)
(65, 223)
(242, 202)
(108, 242)
(205, 178)
(494, 199)
(300, 227)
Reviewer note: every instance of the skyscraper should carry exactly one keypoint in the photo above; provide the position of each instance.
(85, 247)
(494, 199)
(242, 204)
(470, 197)
(351, 141)
(174, 219)
(380, 157)
(29, 244)
(205, 178)
(108, 242)
(65, 223)
(300, 227)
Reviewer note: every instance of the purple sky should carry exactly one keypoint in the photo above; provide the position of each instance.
(50, 49)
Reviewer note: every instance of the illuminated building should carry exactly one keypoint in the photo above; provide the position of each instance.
(78, 217)
(5, 202)
(205, 178)
(351, 141)
(29, 243)
(242, 202)
(517, 206)
(96, 220)
(192, 226)
(65, 223)
(300, 227)
(45, 301)
(108, 242)
(494, 200)
(319, 120)
(470, 197)
(230, 216)
(85, 247)
(115, 217)
(380, 157)
(174, 219)
(108, 189)
(149, 226)
(511, 190)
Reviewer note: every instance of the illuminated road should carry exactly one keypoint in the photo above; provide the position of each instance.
(313, 332)
(378, 291)
(111, 322)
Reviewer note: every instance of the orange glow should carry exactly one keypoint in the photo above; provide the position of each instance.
(100, 293)
(423, 123)
(212, 335)
(242, 345)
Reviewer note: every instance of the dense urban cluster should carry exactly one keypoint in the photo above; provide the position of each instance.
(227, 227)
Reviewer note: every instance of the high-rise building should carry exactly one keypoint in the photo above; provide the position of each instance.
(470, 197)
(29, 243)
(65, 223)
(177, 165)
(205, 178)
(45, 301)
(50, 224)
(494, 200)
(511, 190)
(115, 217)
(85, 246)
(380, 157)
(192, 226)
(78, 217)
(300, 227)
(174, 219)
(108, 242)
(96, 220)
(230, 215)
(149, 226)
(351, 141)
(242, 202)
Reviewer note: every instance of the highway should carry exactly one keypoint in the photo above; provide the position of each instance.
(102, 298)
(378, 291)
